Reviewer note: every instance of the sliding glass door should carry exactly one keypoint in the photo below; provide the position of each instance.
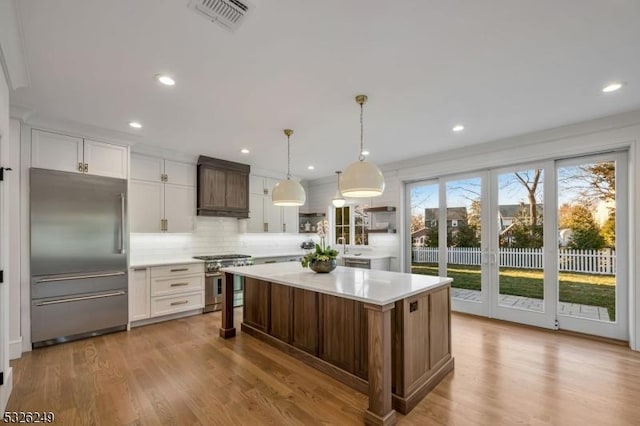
(593, 242)
(522, 228)
(543, 244)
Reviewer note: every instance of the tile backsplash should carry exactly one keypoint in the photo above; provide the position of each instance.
(212, 235)
(215, 235)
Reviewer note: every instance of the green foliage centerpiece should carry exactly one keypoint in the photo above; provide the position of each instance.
(323, 259)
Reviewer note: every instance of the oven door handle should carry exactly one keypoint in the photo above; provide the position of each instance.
(213, 275)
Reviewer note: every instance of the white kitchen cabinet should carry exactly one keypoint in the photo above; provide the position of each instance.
(155, 169)
(179, 207)
(148, 168)
(263, 215)
(56, 152)
(157, 291)
(139, 294)
(146, 206)
(104, 159)
(71, 154)
(162, 195)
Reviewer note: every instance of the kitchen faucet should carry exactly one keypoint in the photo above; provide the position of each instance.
(344, 244)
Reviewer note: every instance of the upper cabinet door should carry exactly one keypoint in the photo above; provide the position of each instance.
(179, 207)
(105, 159)
(290, 219)
(146, 206)
(56, 152)
(178, 173)
(256, 185)
(144, 167)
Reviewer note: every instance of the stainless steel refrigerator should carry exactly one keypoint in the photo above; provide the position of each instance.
(78, 255)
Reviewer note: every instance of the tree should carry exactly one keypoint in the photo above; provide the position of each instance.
(585, 233)
(602, 180)
(608, 230)
(417, 222)
(431, 239)
(466, 236)
(527, 232)
(531, 185)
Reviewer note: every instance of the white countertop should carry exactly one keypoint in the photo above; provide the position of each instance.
(148, 263)
(364, 285)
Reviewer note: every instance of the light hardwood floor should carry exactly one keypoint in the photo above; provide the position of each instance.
(180, 372)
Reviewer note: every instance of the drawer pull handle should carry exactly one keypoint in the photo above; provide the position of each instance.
(179, 270)
(178, 284)
(182, 302)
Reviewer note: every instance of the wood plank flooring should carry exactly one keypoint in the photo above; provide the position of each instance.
(181, 373)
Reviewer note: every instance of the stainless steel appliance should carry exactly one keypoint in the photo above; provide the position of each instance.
(78, 259)
(213, 279)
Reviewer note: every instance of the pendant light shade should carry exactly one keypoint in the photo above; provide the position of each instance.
(362, 179)
(288, 192)
(338, 199)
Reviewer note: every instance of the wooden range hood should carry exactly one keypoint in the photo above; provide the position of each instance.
(223, 188)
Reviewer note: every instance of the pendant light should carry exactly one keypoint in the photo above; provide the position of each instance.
(362, 179)
(288, 192)
(338, 199)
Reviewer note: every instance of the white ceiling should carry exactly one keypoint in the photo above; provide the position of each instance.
(500, 67)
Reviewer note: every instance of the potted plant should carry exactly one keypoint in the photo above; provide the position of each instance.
(323, 259)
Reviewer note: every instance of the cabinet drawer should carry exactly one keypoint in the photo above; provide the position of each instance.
(178, 284)
(175, 270)
(178, 303)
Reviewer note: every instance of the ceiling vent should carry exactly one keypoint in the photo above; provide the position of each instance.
(226, 13)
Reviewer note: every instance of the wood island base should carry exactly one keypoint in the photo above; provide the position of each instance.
(395, 352)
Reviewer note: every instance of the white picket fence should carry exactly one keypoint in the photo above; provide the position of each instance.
(602, 262)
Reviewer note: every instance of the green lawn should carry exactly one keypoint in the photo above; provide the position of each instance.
(586, 289)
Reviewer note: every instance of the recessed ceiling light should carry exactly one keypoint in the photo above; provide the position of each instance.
(135, 124)
(365, 152)
(458, 128)
(244, 151)
(310, 167)
(165, 79)
(611, 87)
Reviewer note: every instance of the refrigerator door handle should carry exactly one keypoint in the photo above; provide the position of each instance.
(122, 222)
(79, 277)
(77, 299)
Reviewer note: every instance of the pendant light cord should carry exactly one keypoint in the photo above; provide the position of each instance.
(361, 156)
(288, 158)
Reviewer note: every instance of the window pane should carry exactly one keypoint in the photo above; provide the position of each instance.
(424, 229)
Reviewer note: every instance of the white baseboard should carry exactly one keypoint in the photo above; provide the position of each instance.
(165, 318)
(15, 348)
(5, 390)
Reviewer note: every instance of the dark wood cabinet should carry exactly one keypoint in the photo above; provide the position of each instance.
(305, 320)
(281, 298)
(223, 188)
(256, 309)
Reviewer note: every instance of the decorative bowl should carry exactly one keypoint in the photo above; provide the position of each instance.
(323, 266)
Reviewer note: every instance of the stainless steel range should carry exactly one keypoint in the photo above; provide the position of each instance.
(213, 279)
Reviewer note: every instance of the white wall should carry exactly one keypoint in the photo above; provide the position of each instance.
(5, 225)
(13, 188)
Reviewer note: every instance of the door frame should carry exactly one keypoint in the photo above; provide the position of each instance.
(547, 317)
(618, 329)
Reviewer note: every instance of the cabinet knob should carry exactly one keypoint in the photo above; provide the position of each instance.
(86, 168)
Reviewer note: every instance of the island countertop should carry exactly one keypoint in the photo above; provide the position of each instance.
(364, 285)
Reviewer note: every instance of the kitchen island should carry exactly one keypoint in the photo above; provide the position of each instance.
(386, 334)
